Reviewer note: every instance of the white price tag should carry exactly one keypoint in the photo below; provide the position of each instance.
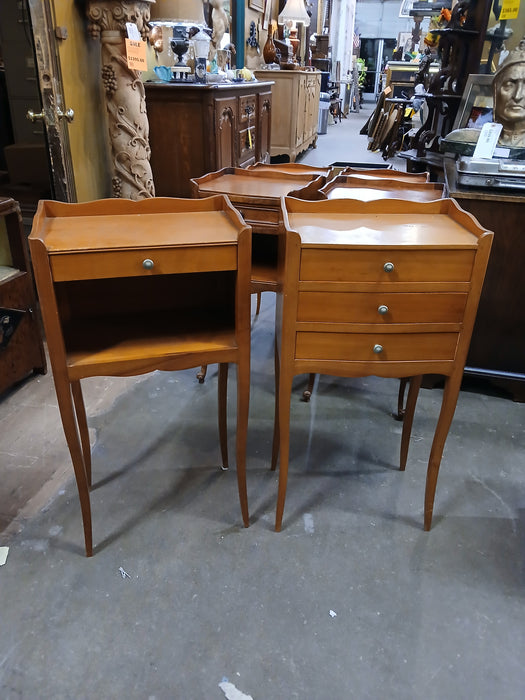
(133, 31)
(487, 140)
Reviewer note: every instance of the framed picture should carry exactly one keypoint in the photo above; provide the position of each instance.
(267, 14)
(256, 5)
(476, 103)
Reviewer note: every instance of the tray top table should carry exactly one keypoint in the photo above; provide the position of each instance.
(366, 190)
(387, 288)
(130, 287)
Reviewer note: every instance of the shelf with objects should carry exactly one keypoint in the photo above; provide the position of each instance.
(458, 36)
(493, 190)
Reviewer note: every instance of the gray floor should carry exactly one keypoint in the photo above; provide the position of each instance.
(351, 600)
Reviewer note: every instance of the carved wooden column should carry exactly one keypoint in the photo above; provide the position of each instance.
(125, 98)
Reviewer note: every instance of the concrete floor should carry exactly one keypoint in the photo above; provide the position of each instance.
(351, 600)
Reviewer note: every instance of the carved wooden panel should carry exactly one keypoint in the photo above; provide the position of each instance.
(225, 113)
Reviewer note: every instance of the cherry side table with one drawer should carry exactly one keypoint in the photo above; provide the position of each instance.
(130, 287)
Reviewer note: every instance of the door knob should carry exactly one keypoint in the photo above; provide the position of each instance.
(35, 117)
(68, 115)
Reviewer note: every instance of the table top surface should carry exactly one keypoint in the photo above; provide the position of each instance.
(139, 231)
(391, 230)
(254, 184)
(368, 193)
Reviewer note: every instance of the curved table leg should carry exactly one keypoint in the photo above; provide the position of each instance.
(243, 401)
(401, 399)
(69, 422)
(285, 391)
(307, 393)
(222, 412)
(448, 406)
(413, 392)
(275, 443)
(80, 410)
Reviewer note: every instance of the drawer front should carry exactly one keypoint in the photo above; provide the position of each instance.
(136, 263)
(247, 145)
(247, 110)
(255, 215)
(359, 347)
(384, 308)
(371, 265)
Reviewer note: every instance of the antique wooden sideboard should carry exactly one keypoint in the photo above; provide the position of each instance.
(387, 288)
(197, 129)
(497, 349)
(130, 287)
(295, 112)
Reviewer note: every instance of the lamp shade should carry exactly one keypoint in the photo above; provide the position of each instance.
(294, 11)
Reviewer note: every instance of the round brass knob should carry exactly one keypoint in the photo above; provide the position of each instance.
(388, 267)
(378, 348)
(383, 309)
(148, 264)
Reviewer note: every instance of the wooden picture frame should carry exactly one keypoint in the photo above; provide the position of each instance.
(476, 103)
(257, 5)
(267, 17)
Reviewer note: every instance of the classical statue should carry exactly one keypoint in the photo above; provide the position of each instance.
(220, 26)
(508, 90)
(509, 98)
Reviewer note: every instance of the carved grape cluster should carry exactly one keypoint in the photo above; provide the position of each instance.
(116, 184)
(109, 79)
(93, 30)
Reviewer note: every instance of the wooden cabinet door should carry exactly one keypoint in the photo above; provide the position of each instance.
(225, 132)
(264, 127)
(299, 115)
(313, 84)
(247, 129)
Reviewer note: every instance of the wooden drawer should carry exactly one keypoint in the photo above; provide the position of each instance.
(384, 308)
(368, 265)
(255, 215)
(247, 145)
(247, 110)
(130, 263)
(359, 347)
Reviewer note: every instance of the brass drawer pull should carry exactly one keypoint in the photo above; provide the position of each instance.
(382, 309)
(148, 264)
(388, 267)
(378, 348)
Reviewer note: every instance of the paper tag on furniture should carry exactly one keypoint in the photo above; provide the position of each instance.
(487, 140)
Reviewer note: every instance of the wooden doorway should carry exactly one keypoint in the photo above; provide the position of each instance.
(35, 161)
